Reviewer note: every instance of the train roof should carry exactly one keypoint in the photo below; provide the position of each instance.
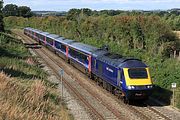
(99, 52)
(60, 38)
(34, 30)
(120, 61)
(27, 28)
(44, 33)
(83, 47)
(64, 41)
(53, 36)
(37, 31)
(31, 29)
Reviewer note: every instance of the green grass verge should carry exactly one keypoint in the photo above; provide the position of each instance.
(25, 92)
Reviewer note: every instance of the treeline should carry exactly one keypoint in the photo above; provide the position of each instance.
(14, 10)
(141, 33)
(1, 18)
(170, 17)
(146, 37)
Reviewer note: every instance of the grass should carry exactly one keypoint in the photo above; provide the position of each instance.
(25, 92)
(31, 100)
(20, 68)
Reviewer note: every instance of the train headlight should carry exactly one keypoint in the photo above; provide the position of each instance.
(131, 87)
(149, 86)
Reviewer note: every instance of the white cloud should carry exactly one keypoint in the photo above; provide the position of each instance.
(95, 4)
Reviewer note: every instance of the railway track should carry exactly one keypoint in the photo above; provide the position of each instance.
(150, 112)
(93, 112)
(146, 112)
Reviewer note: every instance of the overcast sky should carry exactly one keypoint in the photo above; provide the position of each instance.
(65, 5)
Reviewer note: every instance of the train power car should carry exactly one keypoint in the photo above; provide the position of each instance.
(127, 77)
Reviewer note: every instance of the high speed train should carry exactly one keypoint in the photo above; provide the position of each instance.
(127, 77)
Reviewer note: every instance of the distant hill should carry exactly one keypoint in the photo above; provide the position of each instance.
(63, 13)
(49, 13)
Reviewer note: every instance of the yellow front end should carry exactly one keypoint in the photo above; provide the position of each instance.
(137, 81)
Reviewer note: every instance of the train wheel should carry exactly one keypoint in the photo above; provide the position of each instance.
(90, 75)
(126, 101)
(67, 60)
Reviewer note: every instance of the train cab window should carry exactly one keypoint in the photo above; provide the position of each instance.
(138, 73)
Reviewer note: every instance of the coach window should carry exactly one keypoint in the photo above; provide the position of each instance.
(43, 38)
(63, 48)
(50, 41)
(82, 57)
(72, 53)
(58, 45)
(38, 35)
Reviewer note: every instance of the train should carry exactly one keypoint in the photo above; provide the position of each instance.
(129, 78)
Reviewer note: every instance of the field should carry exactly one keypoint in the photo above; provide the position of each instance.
(25, 92)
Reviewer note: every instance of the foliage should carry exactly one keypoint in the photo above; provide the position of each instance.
(30, 100)
(13, 60)
(147, 37)
(24, 11)
(25, 92)
(171, 17)
(10, 10)
(14, 10)
(144, 33)
(1, 18)
(75, 14)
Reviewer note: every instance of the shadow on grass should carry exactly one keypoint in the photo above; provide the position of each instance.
(160, 97)
(8, 31)
(5, 53)
(16, 73)
(163, 95)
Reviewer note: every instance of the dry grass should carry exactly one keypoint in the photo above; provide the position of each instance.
(30, 100)
(178, 33)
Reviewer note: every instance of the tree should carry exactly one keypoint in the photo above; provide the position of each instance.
(10, 10)
(14, 10)
(74, 14)
(1, 18)
(24, 11)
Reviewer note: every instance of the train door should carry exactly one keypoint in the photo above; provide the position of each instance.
(119, 82)
(100, 68)
(89, 63)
